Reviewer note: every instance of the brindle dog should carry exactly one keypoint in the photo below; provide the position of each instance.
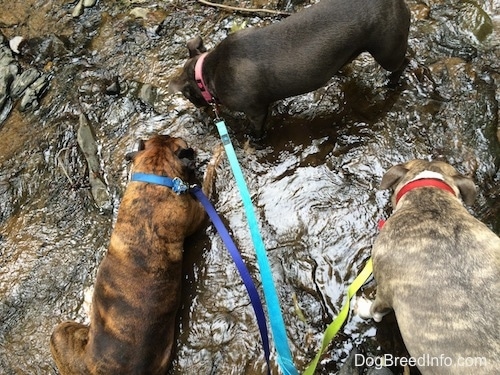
(138, 286)
(438, 268)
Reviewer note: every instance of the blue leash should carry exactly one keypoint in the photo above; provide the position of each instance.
(179, 187)
(240, 265)
(273, 306)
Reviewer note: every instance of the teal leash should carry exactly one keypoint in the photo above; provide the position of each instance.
(277, 323)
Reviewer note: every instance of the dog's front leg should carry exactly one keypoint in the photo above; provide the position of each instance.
(362, 307)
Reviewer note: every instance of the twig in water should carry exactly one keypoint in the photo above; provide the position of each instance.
(61, 163)
(248, 10)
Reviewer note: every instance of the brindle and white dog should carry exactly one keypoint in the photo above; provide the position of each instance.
(138, 285)
(438, 268)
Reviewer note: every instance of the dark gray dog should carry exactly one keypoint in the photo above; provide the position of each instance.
(439, 269)
(254, 67)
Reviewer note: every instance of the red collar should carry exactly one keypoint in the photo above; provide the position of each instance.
(415, 184)
(424, 182)
(198, 77)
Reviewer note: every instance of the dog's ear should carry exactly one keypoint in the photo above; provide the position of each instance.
(467, 189)
(393, 176)
(195, 46)
(138, 147)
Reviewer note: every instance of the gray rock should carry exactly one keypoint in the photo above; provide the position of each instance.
(8, 71)
(88, 145)
(33, 93)
(22, 81)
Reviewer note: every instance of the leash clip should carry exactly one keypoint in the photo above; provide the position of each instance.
(179, 186)
(216, 110)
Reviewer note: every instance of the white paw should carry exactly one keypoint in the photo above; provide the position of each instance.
(378, 317)
(362, 307)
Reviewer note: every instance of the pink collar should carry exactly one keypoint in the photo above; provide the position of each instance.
(198, 77)
(424, 182)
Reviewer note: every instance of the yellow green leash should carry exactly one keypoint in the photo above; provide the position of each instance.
(337, 323)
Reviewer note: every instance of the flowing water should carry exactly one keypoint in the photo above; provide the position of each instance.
(314, 178)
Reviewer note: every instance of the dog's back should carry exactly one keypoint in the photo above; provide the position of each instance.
(446, 297)
(439, 269)
(138, 285)
(301, 53)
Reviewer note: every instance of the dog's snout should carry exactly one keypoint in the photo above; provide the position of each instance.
(186, 153)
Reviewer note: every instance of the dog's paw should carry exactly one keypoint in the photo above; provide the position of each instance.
(362, 307)
(377, 316)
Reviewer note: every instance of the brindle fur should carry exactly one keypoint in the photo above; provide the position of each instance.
(439, 269)
(138, 285)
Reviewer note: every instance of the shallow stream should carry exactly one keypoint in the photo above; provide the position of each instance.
(314, 178)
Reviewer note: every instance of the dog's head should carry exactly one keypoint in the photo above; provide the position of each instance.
(185, 82)
(165, 156)
(397, 176)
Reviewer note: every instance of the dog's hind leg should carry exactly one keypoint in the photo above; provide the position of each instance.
(67, 345)
(258, 119)
(394, 61)
(379, 308)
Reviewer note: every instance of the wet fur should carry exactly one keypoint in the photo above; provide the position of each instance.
(439, 269)
(254, 67)
(138, 285)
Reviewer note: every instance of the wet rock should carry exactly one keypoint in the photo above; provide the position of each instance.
(80, 7)
(420, 11)
(460, 31)
(33, 93)
(472, 19)
(379, 371)
(78, 11)
(314, 178)
(88, 145)
(6, 109)
(139, 12)
(113, 88)
(8, 72)
(349, 367)
(30, 83)
(22, 81)
(147, 93)
(15, 43)
(42, 50)
(359, 362)
(453, 76)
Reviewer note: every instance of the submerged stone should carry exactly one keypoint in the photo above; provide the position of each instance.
(88, 145)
